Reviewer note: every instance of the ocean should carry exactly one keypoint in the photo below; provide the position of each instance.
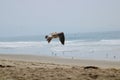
(94, 46)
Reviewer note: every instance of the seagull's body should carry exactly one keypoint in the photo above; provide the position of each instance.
(56, 35)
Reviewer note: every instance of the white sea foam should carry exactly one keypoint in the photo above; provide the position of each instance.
(72, 43)
(19, 44)
(110, 42)
(102, 49)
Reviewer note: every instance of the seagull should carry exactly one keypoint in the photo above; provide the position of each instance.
(59, 35)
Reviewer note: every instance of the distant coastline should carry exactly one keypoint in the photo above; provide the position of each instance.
(69, 36)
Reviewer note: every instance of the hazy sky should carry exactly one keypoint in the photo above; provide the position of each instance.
(35, 17)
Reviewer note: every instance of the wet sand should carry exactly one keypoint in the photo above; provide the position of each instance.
(31, 67)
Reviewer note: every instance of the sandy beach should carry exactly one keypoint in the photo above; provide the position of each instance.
(31, 67)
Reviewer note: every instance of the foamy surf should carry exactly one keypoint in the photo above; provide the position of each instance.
(77, 49)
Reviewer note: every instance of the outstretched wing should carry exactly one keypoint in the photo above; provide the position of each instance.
(61, 37)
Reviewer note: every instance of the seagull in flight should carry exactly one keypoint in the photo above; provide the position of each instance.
(59, 35)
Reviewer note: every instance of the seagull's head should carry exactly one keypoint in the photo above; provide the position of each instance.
(46, 36)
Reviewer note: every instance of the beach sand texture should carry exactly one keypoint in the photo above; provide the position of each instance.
(29, 67)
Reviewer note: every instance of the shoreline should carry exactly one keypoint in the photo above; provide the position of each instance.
(31, 67)
(60, 60)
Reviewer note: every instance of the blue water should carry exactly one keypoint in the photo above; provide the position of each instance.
(99, 46)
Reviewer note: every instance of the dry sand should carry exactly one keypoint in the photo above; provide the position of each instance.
(29, 67)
